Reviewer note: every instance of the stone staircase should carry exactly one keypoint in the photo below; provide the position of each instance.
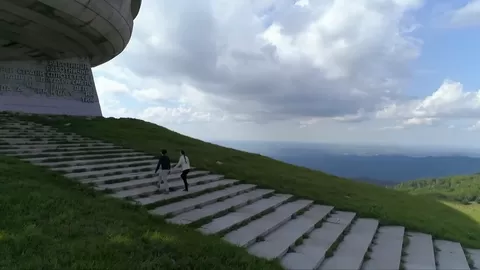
(297, 232)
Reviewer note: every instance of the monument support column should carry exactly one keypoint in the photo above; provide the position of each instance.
(49, 87)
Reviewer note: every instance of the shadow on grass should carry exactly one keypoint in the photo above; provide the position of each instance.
(417, 213)
(50, 222)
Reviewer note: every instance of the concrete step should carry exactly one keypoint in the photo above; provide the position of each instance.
(146, 181)
(191, 191)
(119, 178)
(106, 166)
(33, 134)
(26, 143)
(84, 159)
(220, 207)
(450, 256)
(50, 137)
(174, 185)
(311, 253)
(21, 141)
(351, 251)
(475, 257)
(277, 244)
(200, 201)
(244, 214)
(83, 162)
(387, 249)
(64, 151)
(419, 252)
(248, 234)
(99, 173)
(63, 146)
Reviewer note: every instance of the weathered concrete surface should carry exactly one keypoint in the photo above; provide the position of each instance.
(248, 234)
(53, 29)
(311, 253)
(243, 214)
(450, 256)
(278, 242)
(192, 190)
(387, 250)
(190, 204)
(351, 251)
(419, 252)
(218, 207)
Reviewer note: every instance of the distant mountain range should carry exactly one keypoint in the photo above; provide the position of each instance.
(377, 165)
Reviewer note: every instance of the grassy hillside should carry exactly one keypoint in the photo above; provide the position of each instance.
(463, 188)
(418, 213)
(49, 222)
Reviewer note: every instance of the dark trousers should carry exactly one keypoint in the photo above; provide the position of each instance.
(184, 178)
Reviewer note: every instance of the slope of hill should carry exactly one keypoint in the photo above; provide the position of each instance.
(462, 188)
(49, 222)
(390, 206)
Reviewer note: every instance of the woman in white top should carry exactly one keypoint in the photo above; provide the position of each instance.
(184, 163)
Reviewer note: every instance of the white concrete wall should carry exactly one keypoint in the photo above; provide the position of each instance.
(49, 87)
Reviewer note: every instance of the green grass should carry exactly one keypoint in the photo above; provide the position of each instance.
(417, 213)
(50, 222)
(461, 188)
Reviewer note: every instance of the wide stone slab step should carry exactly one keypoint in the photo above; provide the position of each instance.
(351, 251)
(118, 178)
(450, 256)
(192, 203)
(34, 154)
(174, 185)
(191, 191)
(475, 258)
(51, 137)
(106, 166)
(311, 253)
(59, 140)
(29, 133)
(419, 252)
(244, 214)
(84, 159)
(387, 249)
(219, 207)
(147, 181)
(277, 244)
(65, 146)
(248, 234)
(82, 162)
(118, 171)
(64, 152)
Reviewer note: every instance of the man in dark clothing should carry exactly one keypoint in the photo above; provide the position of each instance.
(164, 166)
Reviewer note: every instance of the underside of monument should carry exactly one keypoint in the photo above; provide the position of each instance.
(55, 29)
(47, 49)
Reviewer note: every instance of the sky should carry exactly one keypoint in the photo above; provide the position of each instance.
(400, 72)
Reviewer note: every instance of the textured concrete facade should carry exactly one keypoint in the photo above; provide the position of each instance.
(47, 48)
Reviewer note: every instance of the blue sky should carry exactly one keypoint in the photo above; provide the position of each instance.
(315, 70)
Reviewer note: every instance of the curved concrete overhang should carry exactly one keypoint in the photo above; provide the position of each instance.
(58, 29)
(136, 7)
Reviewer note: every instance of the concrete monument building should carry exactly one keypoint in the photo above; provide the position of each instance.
(48, 47)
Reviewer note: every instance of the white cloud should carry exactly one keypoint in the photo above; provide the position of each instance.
(309, 69)
(468, 15)
(448, 101)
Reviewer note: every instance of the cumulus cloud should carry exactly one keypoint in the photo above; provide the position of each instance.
(448, 101)
(274, 60)
(467, 15)
(328, 63)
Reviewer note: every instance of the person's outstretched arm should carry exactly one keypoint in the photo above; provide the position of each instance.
(179, 163)
(158, 165)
